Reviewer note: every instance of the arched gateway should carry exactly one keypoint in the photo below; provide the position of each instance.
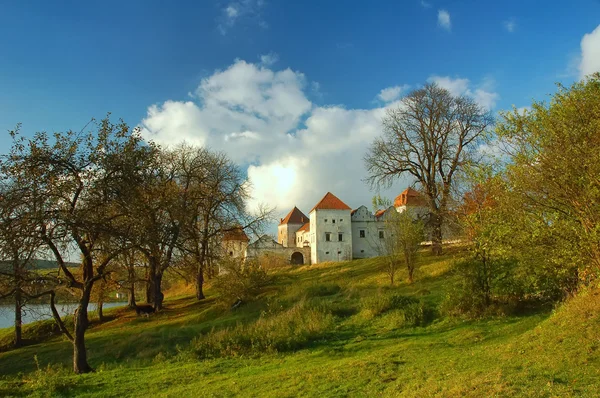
(297, 258)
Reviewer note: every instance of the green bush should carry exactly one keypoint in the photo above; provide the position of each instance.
(240, 282)
(289, 330)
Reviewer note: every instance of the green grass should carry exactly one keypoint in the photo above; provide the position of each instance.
(325, 330)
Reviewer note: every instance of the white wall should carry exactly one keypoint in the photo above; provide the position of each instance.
(364, 247)
(321, 222)
(286, 234)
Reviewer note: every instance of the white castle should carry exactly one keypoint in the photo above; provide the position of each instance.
(331, 232)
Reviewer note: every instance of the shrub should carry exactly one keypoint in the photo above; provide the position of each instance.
(289, 330)
(240, 282)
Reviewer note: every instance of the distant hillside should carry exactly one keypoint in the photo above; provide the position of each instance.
(50, 264)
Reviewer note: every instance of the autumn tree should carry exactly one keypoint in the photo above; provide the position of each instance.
(430, 136)
(554, 168)
(401, 240)
(217, 192)
(79, 181)
(18, 248)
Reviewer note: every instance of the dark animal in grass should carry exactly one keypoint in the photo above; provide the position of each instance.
(144, 310)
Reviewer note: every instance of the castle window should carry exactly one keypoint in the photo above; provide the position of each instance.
(381, 235)
(327, 236)
(333, 221)
(339, 252)
(339, 237)
(341, 219)
(362, 251)
(361, 233)
(325, 220)
(231, 253)
(326, 252)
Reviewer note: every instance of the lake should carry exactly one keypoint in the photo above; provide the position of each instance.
(38, 312)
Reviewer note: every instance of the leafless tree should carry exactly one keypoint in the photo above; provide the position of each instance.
(430, 136)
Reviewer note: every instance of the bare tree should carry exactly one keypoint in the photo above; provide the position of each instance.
(217, 195)
(431, 136)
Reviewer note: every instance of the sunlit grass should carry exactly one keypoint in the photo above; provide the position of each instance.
(325, 330)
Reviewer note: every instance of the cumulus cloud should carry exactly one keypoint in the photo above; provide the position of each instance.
(444, 19)
(590, 53)
(510, 25)
(483, 94)
(390, 94)
(293, 150)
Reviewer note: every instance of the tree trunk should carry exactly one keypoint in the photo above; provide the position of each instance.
(436, 234)
(150, 275)
(18, 318)
(99, 309)
(80, 364)
(158, 295)
(199, 284)
(131, 294)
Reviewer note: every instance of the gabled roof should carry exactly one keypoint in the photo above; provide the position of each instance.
(295, 216)
(330, 202)
(304, 228)
(236, 233)
(379, 213)
(409, 197)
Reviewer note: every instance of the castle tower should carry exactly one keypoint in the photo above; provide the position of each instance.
(286, 231)
(235, 242)
(330, 230)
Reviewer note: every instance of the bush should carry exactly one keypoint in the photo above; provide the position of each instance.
(289, 330)
(504, 288)
(240, 282)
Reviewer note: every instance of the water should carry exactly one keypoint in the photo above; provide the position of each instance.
(38, 312)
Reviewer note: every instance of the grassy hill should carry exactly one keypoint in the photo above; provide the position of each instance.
(325, 330)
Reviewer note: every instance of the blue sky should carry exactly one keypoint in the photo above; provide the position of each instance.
(65, 62)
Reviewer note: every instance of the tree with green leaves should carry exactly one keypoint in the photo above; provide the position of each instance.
(554, 171)
(430, 136)
(79, 183)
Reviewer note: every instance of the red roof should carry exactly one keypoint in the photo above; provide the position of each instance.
(305, 227)
(379, 213)
(409, 197)
(236, 234)
(295, 216)
(330, 202)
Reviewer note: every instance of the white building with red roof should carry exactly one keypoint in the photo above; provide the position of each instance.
(333, 231)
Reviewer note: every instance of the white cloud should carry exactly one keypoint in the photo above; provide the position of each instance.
(238, 10)
(392, 93)
(590, 53)
(510, 25)
(294, 151)
(444, 19)
(483, 94)
(269, 59)
(232, 12)
(425, 4)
